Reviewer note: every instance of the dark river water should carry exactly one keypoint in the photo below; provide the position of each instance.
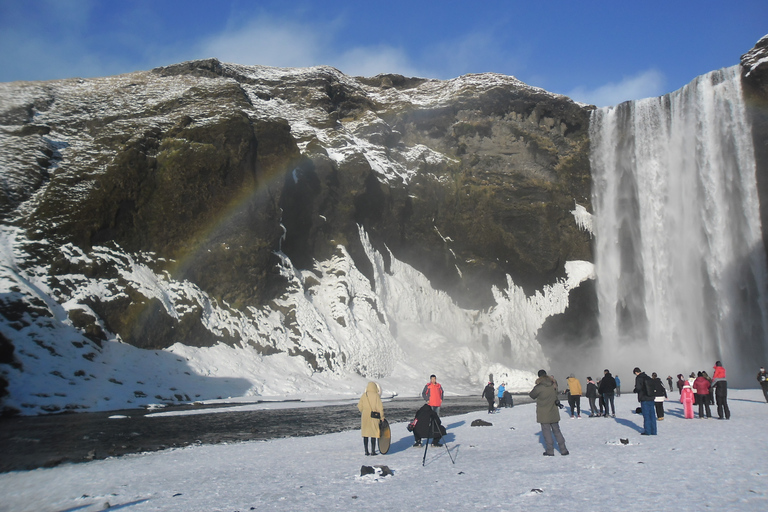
(28, 442)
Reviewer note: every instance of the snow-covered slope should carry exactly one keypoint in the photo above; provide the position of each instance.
(399, 335)
(497, 467)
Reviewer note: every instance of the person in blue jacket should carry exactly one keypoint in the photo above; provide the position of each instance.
(500, 394)
(618, 386)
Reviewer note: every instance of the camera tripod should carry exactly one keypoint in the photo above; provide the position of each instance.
(434, 435)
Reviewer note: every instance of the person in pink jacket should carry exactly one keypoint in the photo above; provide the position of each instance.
(686, 398)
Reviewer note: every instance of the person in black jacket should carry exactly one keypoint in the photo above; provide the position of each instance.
(427, 426)
(606, 389)
(659, 394)
(644, 389)
(488, 394)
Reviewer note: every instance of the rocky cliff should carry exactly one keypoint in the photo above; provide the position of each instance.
(754, 78)
(214, 167)
(210, 174)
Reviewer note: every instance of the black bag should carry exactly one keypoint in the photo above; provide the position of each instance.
(650, 387)
(376, 414)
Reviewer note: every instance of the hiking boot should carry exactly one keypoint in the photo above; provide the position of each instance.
(549, 454)
(566, 452)
(415, 445)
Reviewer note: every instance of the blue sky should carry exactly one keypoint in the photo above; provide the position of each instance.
(601, 52)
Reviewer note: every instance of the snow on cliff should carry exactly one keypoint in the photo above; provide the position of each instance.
(398, 335)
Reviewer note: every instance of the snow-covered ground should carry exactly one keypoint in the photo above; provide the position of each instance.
(691, 465)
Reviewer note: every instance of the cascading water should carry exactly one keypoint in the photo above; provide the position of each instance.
(680, 261)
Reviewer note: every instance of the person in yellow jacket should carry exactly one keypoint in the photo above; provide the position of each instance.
(574, 396)
(372, 412)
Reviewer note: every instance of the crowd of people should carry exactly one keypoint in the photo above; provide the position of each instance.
(697, 389)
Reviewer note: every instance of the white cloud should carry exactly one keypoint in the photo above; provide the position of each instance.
(371, 61)
(268, 42)
(281, 43)
(643, 85)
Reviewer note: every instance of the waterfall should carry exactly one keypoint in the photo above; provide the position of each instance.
(679, 256)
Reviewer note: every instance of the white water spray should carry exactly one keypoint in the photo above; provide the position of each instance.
(680, 261)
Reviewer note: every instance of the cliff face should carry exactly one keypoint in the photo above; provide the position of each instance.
(754, 78)
(213, 170)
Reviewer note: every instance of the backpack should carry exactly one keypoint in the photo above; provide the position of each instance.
(649, 386)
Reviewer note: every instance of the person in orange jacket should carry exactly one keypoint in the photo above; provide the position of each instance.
(686, 398)
(433, 394)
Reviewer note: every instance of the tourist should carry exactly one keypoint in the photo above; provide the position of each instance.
(547, 414)
(680, 383)
(489, 396)
(701, 385)
(500, 394)
(762, 378)
(591, 396)
(669, 381)
(372, 412)
(687, 398)
(644, 389)
(574, 396)
(720, 390)
(618, 385)
(709, 379)
(659, 394)
(433, 394)
(606, 389)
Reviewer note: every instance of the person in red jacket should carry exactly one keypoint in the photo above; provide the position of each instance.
(433, 394)
(720, 390)
(701, 385)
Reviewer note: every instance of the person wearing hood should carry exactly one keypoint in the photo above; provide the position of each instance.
(606, 389)
(500, 394)
(574, 396)
(644, 388)
(427, 425)
(547, 413)
(720, 390)
(371, 413)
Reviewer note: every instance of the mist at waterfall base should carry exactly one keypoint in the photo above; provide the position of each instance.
(679, 255)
